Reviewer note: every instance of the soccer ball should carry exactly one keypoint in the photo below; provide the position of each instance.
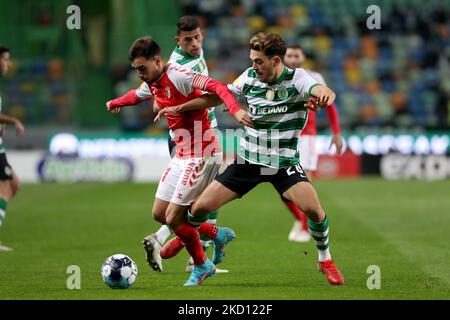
(119, 271)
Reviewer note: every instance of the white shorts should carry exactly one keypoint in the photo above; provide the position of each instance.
(185, 179)
(308, 153)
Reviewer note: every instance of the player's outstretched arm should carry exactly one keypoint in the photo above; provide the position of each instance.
(203, 102)
(156, 107)
(221, 89)
(323, 97)
(128, 99)
(20, 128)
(333, 119)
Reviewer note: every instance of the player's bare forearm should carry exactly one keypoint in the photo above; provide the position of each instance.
(336, 139)
(325, 96)
(7, 119)
(203, 102)
(220, 89)
(20, 128)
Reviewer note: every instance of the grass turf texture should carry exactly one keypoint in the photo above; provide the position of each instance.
(401, 226)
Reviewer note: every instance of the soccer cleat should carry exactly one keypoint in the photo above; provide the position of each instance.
(152, 248)
(190, 266)
(171, 248)
(332, 273)
(4, 248)
(297, 234)
(224, 235)
(200, 273)
(301, 236)
(295, 228)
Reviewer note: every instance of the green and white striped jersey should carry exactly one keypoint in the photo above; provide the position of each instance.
(198, 64)
(2, 147)
(278, 114)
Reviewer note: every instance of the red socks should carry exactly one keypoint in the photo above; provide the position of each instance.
(207, 229)
(189, 237)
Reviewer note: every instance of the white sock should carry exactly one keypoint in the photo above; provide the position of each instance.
(319, 231)
(205, 244)
(324, 254)
(2, 216)
(162, 234)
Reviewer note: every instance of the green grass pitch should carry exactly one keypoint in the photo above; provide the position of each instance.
(401, 226)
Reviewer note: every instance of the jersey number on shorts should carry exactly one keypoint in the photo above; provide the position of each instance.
(293, 169)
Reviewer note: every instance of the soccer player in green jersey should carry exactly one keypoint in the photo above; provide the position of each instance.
(9, 182)
(278, 100)
(188, 53)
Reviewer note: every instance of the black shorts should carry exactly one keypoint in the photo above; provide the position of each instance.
(5, 168)
(171, 144)
(243, 177)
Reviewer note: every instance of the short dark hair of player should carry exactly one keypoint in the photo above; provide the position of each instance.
(144, 47)
(269, 43)
(294, 46)
(3, 49)
(187, 23)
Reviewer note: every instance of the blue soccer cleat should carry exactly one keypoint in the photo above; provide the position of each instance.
(224, 235)
(200, 273)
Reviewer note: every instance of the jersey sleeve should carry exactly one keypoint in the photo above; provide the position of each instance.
(220, 89)
(237, 87)
(143, 92)
(333, 118)
(182, 78)
(304, 83)
(319, 78)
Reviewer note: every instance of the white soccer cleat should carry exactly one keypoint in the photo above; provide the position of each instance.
(297, 234)
(302, 236)
(5, 248)
(152, 248)
(296, 227)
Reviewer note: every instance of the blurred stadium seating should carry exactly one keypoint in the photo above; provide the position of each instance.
(395, 77)
(398, 76)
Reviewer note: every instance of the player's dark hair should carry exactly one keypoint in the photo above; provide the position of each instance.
(187, 23)
(3, 49)
(144, 47)
(294, 46)
(269, 43)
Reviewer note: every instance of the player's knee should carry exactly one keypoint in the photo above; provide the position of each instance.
(313, 209)
(201, 208)
(173, 219)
